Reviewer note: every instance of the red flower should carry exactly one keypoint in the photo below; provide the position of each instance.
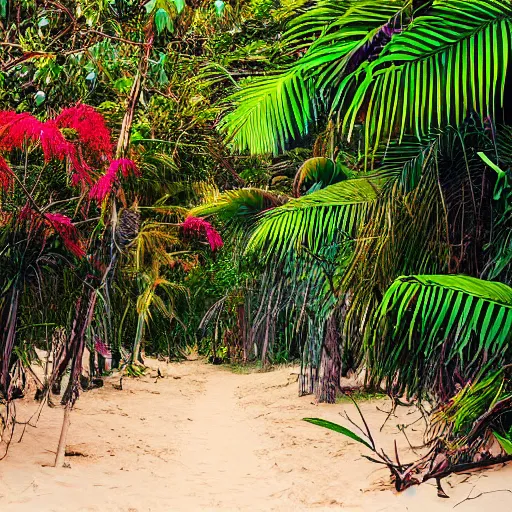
(198, 226)
(67, 231)
(104, 185)
(17, 129)
(90, 127)
(5, 175)
(26, 213)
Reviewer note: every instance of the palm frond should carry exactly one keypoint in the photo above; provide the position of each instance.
(270, 111)
(273, 110)
(317, 173)
(316, 220)
(442, 67)
(429, 329)
(475, 399)
(241, 204)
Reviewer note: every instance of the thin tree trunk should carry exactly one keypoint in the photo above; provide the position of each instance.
(138, 339)
(124, 136)
(330, 363)
(61, 450)
(10, 336)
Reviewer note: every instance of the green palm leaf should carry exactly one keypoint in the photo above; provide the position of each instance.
(440, 68)
(319, 172)
(273, 110)
(338, 428)
(427, 325)
(241, 204)
(315, 220)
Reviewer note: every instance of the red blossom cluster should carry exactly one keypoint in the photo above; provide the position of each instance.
(18, 129)
(198, 226)
(68, 232)
(48, 223)
(104, 185)
(5, 175)
(90, 148)
(91, 129)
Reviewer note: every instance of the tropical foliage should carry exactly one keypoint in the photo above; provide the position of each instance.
(402, 224)
(328, 181)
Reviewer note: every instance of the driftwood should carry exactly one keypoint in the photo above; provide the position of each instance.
(439, 462)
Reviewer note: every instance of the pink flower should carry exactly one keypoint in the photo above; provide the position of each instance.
(5, 175)
(17, 129)
(198, 226)
(67, 231)
(90, 127)
(105, 184)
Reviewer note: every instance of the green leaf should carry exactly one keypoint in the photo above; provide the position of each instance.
(315, 220)
(407, 341)
(161, 20)
(43, 22)
(150, 6)
(219, 7)
(338, 428)
(124, 84)
(180, 5)
(318, 172)
(505, 443)
(39, 97)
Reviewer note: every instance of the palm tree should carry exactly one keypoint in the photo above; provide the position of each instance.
(419, 92)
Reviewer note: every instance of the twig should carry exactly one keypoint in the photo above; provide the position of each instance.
(469, 498)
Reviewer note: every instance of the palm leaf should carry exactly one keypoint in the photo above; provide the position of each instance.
(273, 110)
(443, 66)
(317, 173)
(338, 428)
(242, 204)
(315, 220)
(428, 325)
(475, 399)
(505, 443)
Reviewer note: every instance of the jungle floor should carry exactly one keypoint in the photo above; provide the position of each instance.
(206, 438)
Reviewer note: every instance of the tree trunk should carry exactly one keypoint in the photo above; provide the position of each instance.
(124, 137)
(8, 341)
(138, 340)
(61, 450)
(330, 363)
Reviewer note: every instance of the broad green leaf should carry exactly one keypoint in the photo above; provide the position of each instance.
(161, 20)
(39, 97)
(180, 5)
(338, 428)
(505, 443)
(150, 6)
(219, 7)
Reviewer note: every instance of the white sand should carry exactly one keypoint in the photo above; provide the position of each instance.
(204, 438)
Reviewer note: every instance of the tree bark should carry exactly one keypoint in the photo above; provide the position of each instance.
(330, 363)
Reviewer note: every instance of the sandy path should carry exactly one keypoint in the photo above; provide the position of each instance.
(218, 450)
(203, 438)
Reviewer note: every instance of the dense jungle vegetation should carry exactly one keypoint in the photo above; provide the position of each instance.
(272, 180)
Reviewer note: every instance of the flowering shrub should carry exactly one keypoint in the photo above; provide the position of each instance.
(105, 184)
(88, 146)
(67, 231)
(197, 226)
